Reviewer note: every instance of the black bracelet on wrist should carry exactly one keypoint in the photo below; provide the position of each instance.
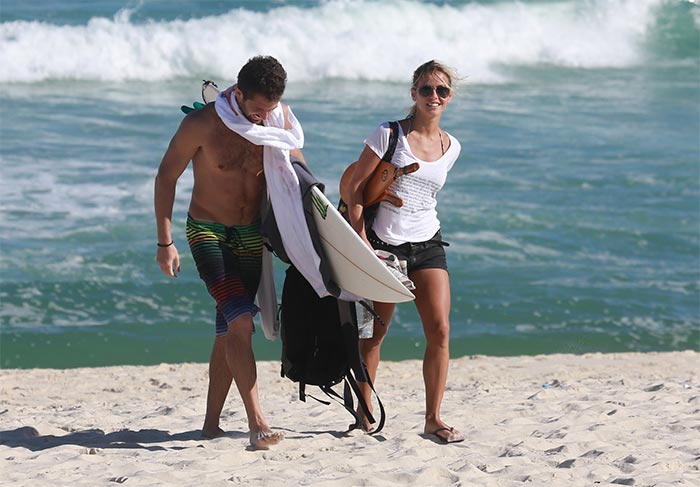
(165, 245)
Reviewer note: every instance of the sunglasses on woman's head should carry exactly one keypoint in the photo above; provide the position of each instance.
(427, 90)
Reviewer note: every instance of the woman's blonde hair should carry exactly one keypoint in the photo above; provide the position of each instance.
(429, 68)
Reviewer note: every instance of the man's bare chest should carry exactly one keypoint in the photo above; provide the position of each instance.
(232, 153)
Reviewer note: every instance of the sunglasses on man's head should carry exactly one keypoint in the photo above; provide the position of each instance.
(427, 90)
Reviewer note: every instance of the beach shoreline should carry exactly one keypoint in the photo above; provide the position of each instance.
(626, 419)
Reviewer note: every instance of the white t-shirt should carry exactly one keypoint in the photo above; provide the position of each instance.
(416, 220)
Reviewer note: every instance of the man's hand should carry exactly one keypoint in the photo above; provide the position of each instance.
(168, 260)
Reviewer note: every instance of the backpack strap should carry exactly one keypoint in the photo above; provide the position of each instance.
(387, 157)
(365, 409)
(348, 326)
(358, 370)
(370, 211)
(382, 412)
(347, 402)
(303, 394)
(393, 139)
(371, 311)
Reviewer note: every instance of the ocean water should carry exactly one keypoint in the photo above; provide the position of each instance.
(573, 211)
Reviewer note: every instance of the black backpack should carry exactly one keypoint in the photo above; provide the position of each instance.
(320, 346)
(320, 343)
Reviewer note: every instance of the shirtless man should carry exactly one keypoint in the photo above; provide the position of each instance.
(223, 232)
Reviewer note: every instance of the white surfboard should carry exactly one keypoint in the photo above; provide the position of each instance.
(354, 267)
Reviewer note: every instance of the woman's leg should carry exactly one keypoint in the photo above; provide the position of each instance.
(433, 303)
(370, 348)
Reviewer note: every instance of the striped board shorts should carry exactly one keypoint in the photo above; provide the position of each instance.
(229, 261)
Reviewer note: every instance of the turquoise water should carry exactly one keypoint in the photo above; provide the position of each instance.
(573, 212)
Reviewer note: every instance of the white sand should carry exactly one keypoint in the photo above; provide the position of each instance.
(562, 420)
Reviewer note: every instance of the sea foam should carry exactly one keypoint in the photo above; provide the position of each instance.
(365, 39)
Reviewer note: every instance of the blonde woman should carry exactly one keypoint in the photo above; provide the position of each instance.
(412, 231)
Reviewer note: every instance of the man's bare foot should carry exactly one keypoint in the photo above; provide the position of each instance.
(211, 434)
(262, 440)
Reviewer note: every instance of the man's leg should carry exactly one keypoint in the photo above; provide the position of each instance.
(241, 362)
(220, 379)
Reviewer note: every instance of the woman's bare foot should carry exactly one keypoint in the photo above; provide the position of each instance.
(363, 424)
(444, 434)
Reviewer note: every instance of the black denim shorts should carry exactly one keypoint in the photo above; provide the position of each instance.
(418, 255)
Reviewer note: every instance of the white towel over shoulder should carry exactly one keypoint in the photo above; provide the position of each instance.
(282, 186)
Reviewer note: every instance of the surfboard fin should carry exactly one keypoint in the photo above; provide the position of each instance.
(209, 91)
(195, 106)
